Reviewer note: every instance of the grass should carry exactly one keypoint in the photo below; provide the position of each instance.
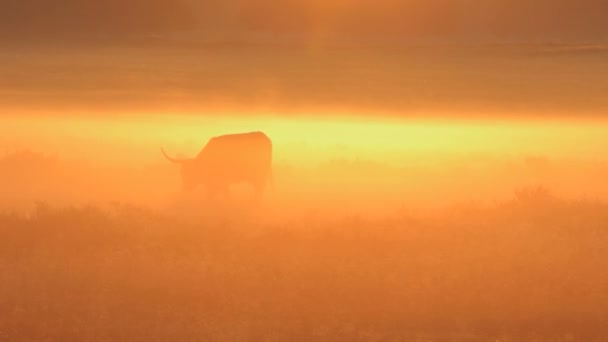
(529, 269)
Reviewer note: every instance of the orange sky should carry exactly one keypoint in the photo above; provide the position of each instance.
(493, 19)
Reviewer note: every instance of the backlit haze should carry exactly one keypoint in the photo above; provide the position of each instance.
(356, 166)
(440, 169)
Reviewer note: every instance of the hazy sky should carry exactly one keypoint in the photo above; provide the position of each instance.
(174, 75)
(491, 19)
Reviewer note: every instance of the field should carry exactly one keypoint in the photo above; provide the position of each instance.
(532, 268)
(422, 193)
(310, 262)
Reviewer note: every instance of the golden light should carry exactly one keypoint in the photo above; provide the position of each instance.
(328, 135)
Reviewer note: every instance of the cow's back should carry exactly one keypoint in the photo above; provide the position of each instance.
(238, 157)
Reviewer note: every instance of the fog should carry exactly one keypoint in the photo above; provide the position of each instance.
(420, 193)
(399, 229)
(188, 76)
(354, 167)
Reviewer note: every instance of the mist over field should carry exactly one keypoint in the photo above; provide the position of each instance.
(438, 171)
(372, 166)
(390, 229)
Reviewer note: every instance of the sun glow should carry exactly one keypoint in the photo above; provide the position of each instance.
(363, 163)
(365, 136)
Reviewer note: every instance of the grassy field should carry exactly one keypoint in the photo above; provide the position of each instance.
(532, 268)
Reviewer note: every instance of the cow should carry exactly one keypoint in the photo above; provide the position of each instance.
(226, 160)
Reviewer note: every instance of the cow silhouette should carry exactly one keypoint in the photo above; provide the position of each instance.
(226, 160)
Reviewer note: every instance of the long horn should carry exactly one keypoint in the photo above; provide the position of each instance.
(177, 161)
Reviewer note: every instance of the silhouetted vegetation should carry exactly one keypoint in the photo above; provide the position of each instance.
(530, 268)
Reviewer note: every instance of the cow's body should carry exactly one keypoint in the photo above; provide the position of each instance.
(229, 159)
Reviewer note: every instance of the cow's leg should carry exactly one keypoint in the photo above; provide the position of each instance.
(212, 192)
(258, 190)
(218, 192)
(225, 191)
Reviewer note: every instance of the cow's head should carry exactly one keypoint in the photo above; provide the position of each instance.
(189, 169)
